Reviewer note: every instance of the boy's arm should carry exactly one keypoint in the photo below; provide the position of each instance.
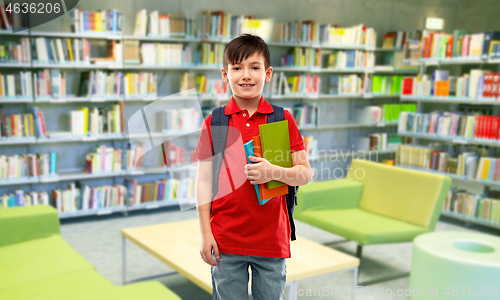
(299, 174)
(203, 195)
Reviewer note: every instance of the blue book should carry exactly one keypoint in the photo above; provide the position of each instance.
(250, 152)
(19, 198)
(12, 201)
(53, 163)
(492, 168)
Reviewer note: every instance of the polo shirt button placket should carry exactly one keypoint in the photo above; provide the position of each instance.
(248, 124)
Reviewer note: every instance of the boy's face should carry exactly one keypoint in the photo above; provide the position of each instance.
(247, 78)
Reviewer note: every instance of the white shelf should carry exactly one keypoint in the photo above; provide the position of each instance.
(454, 140)
(77, 35)
(345, 126)
(77, 66)
(9, 32)
(16, 181)
(15, 65)
(16, 100)
(17, 141)
(452, 100)
(349, 153)
(322, 70)
(391, 70)
(72, 99)
(388, 50)
(470, 219)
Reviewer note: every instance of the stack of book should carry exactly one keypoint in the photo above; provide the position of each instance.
(164, 25)
(386, 113)
(81, 198)
(431, 158)
(107, 159)
(387, 85)
(345, 85)
(449, 124)
(61, 51)
(306, 115)
(205, 86)
(50, 83)
(161, 190)
(481, 206)
(131, 52)
(19, 198)
(103, 21)
(247, 24)
(16, 85)
(397, 39)
(97, 120)
(273, 144)
(297, 32)
(305, 84)
(28, 165)
(378, 141)
(209, 54)
(22, 125)
(178, 119)
(165, 54)
(302, 57)
(13, 52)
(459, 44)
(353, 36)
(351, 59)
(101, 84)
(479, 83)
(140, 84)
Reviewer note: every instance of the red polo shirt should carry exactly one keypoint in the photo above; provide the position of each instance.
(239, 224)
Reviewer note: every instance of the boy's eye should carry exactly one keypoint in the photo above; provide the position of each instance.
(236, 68)
(256, 68)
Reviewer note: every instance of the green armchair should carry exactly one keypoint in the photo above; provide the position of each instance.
(374, 204)
(37, 263)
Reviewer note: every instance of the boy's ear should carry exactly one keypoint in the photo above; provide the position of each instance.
(224, 76)
(269, 74)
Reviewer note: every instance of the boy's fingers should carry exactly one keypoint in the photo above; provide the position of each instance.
(216, 252)
(255, 159)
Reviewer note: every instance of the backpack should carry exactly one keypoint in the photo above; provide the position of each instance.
(219, 130)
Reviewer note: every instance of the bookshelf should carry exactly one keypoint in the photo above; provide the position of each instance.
(82, 143)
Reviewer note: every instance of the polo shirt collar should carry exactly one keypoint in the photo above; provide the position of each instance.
(264, 107)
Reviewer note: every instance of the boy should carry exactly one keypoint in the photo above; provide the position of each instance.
(236, 231)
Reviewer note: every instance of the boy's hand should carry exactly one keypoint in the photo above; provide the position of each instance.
(260, 172)
(207, 244)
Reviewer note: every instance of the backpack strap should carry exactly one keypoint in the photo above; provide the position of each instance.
(219, 128)
(277, 115)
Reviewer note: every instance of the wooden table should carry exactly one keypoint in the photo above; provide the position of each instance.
(177, 244)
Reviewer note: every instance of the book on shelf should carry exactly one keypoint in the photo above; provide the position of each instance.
(96, 120)
(386, 84)
(302, 57)
(462, 161)
(477, 84)
(131, 52)
(345, 85)
(101, 84)
(310, 145)
(19, 84)
(50, 83)
(350, 59)
(299, 31)
(305, 115)
(140, 84)
(177, 119)
(28, 165)
(161, 190)
(397, 39)
(15, 52)
(12, 20)
(204, 85)
(480, 206)
(80, 197)
(163, 25)
(22, 125)
(103, 21)
(114, 54)
(165, 54)
(20, 198)
(174, 155)
(60, 50)
(395, 61)
(385, 113)
(377, 141)
(356, 35)
(304, 84)
(108, 159)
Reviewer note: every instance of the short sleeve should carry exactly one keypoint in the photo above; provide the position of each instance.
(204, 150)
(296, 141)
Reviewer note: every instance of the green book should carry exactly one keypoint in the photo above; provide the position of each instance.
(275, 142)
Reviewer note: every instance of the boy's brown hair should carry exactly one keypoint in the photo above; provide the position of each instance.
(244, 46)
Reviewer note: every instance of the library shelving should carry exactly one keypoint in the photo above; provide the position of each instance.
(72, 174)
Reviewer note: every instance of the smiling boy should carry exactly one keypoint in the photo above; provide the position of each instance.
(236, 231)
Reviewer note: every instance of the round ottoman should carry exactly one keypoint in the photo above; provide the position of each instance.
(455, 265)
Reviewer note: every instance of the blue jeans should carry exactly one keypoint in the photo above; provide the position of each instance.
(230, 277)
